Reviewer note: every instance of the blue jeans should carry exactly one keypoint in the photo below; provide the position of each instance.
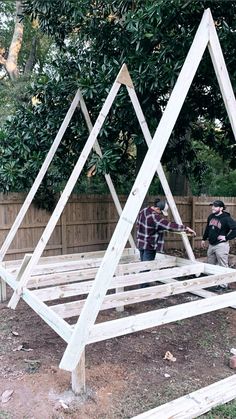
(146, 255)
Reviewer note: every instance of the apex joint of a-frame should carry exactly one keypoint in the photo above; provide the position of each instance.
(124, 77)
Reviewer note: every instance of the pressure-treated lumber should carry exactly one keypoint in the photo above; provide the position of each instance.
(98, 150)
(196, 403)
(130, 279)
(3, 291)
(141, 321)
(146, 294)
(128, 251)
(39, 177)
(160, 171)
(65, 194)
(78, 377)
(222, 76)
(136, 197)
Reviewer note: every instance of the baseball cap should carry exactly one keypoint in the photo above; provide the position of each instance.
(163, 207)
(218, 204)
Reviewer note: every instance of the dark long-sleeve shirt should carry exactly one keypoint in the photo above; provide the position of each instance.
(220, 225)
(151, 227)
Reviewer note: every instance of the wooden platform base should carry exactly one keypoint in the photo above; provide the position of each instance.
(58, 287)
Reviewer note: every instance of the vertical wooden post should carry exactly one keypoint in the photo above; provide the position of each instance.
(63, 233)
(193, 216)
(78, 377)
(3, 291)
(120, 308)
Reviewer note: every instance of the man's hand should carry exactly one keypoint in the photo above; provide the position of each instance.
(189, 230)
(203, 244)
(221, 238)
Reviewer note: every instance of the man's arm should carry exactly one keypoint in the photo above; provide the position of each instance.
(164, 224)
(232, 233)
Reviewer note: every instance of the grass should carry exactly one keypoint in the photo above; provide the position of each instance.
(4, 415)
(226, 411)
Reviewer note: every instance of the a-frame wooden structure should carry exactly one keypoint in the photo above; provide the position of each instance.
(39, 279)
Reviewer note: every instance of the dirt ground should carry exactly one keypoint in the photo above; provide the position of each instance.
(125, 376)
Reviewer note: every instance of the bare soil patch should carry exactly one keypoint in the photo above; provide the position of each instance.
(125, 376)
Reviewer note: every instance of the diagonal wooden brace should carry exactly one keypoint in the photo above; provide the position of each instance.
(18, 292)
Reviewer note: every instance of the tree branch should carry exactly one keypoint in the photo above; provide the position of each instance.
(16, 43)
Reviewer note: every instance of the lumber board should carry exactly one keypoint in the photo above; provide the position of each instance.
(40, 176)
(216, 269)
(65, 194)
(72, 257)
(67, 266)
(90, 273)
(78, 377)
(131, 324)
(222, 74)
(200, 293)
(196, 403)
(152, 159)
(60, 326)
(98, 150)
(69, 290)
(7, 277)
(3, 291)
(120, 299)
(160, 171)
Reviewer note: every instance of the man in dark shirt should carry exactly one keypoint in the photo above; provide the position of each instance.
(219, 230)
(151, 225)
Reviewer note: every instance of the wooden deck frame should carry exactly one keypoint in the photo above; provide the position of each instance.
(81, 271)
(105, 270)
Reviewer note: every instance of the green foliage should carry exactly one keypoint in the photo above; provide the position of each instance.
(226, 411)
(153, 38)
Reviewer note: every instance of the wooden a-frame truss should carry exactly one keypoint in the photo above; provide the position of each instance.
(66, 276)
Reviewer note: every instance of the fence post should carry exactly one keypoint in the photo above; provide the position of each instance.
(193, 218)
(63, 234)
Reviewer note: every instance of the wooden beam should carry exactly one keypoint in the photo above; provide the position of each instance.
(66, 277)
(3, 291)
(74, 256)
(106, 271)
(160, 171)
(38, 180)
(131, 324)
(196, 403)
(98, 150)
(78, 377)
(60, 326)
(74, 308)
(222, 74)
(65, 195)
(80, 288)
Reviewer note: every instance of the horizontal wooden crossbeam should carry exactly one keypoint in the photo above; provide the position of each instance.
(131, 324)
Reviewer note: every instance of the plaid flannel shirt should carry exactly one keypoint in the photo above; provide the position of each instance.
(151, 227)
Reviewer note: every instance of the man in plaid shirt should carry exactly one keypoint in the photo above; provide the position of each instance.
(151, 225)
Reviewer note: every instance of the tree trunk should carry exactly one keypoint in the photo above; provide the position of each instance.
(179, 184)
(141, 153)
(32, 57)
(16, 43)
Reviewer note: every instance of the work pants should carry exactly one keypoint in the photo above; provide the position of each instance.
(218, 254)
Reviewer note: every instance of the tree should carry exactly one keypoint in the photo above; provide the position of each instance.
(21, 52)
(153, 38)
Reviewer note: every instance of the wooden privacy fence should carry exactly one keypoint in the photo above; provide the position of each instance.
(88, 221)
